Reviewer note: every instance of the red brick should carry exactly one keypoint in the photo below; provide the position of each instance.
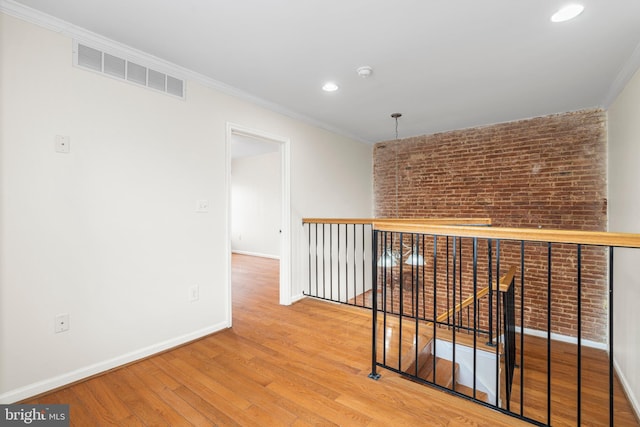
(547, 172)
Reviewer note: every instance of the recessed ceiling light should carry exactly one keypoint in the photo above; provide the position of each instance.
(330, 87)
(568, 12)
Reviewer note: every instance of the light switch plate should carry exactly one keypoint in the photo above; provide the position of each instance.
(194, 293)
(202, 206)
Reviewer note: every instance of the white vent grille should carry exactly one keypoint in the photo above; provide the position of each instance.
(157, 80)
(115, 66)
(175, 86)
(120, 68)
(89, 58)
(136, 73)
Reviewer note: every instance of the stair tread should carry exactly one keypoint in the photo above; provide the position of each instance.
(444, 370)
(468, 391)
(391, 337)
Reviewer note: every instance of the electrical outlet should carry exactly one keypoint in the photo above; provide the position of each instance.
(61, 322)
(194, 293)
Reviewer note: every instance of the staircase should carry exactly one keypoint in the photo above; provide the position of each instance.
(400, 345)
(448, 374)
(444, 355)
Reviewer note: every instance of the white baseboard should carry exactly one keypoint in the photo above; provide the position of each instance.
(564, 338)
(40, 387)
(633, 399)
(255, 254)
(297, 298)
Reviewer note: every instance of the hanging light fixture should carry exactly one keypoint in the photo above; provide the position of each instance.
(415, 258)
(388, 259)
(396, 116)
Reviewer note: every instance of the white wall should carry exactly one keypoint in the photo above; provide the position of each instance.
(624, 209)
(108, 233)
(256, 202)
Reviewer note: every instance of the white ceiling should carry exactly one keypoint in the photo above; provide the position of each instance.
(444, 64)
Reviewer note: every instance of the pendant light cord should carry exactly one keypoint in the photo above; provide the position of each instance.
(396, 116)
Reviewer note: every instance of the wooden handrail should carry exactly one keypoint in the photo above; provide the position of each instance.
(425, 221)
(460, 306)
(503, 286)
(505, 281)
(597, 238)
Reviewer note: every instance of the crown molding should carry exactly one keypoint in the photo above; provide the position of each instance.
(18, 10)
(624, 76)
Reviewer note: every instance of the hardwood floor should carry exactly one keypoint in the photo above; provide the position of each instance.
(595, 386)
(301, 365)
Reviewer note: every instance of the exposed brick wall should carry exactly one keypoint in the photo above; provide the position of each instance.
(547, 172)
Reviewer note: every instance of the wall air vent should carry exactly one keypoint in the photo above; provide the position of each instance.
(96, 60)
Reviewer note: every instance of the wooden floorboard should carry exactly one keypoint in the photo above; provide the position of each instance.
(301, 365)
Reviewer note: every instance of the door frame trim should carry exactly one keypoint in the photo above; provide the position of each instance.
(285, 239)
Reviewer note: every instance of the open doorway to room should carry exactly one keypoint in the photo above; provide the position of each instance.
(258, 208)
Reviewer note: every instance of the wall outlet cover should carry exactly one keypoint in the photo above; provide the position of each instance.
(62, 144)
(61, 323)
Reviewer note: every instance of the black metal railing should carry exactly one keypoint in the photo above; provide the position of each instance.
(339, 261)
(503, 317)
(431, 301)
(565, 283)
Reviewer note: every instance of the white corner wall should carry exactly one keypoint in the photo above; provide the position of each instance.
(256, 202)
(624, 207)
(108, 233)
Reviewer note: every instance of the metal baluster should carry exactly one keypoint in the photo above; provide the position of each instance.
(346, 262)
(453, 362)
(385, 290)
(401, 298)
(338, 260)
(412, 271)
(611, 335)
(549, 333)
(392, 286)
(324, 267)
(579, 397)
(424, 305)
(374, 316)
(417, 277)
(497, 293)
(521, 327)
(435, 302)
(475, 311)
(491, 291)
(364, 268)
(331, 260)
(460, 283)
(310, 256)
(355, 290)
(447, 255)
(316, 260)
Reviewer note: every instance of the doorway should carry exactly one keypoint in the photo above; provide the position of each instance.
(255, 153)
